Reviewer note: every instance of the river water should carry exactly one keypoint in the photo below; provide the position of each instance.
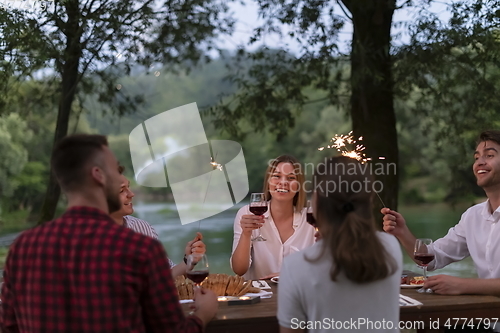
(432, 221)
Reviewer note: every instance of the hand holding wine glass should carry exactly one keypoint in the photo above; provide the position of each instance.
(423, 256)
(258, 206)
(197, 268)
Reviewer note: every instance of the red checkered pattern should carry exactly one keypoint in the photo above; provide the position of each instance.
(84, 273)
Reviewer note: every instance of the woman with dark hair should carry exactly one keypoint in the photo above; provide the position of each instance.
(354, 271)
(284, 225)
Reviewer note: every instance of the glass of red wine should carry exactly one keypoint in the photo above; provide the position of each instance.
(309, 214)
(258, 206)
(197, 268)
(423, 256)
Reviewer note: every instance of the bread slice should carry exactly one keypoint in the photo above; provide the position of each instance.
(246, 286)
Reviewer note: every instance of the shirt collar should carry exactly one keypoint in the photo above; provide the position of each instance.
(486, 213)
(87, 212)
(297, 216)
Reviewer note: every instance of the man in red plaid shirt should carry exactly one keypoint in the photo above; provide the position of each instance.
(83, 272)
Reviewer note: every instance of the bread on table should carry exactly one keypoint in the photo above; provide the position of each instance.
(220, 284)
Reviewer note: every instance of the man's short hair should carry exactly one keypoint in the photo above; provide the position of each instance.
(491, 135)
(71, 156)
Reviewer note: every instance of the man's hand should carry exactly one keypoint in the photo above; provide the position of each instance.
(394, 223)
(206, 304)
(196, 245)
(445, 284)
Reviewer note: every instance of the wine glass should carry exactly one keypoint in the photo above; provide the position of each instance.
(424, 256)
(309, 214)
(197, 268)
(258, 206)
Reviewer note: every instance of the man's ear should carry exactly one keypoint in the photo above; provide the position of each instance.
(98, 175)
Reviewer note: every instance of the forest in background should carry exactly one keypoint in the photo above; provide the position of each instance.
(105, 66)
(426, 167)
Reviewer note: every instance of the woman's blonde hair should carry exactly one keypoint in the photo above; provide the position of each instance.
(344, 195)
(299, 200)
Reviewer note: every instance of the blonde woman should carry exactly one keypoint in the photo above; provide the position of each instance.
(354, 271)
(283, 226)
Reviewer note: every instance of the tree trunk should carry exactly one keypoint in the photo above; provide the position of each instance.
(69, 82)
(372, 109)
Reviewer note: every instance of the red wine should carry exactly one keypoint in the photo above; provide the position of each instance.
(310, 219)
(424, 258)
(258, 210)
(197, 276)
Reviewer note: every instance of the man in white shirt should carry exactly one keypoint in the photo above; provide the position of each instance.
(476, 234)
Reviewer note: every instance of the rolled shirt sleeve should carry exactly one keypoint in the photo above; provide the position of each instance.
(450, 248)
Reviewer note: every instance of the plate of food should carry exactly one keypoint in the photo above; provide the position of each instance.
(275, 279)
(226, 287)
(411, 282)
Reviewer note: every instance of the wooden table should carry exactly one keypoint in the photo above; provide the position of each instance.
(437, 309)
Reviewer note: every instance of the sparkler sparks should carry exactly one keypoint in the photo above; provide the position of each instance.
(342, 143)
(215, 165)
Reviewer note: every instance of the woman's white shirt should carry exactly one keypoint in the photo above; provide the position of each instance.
(267, 257)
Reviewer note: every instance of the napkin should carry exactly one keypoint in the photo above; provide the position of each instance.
(261, 284)
(262, 294)
(408, 301)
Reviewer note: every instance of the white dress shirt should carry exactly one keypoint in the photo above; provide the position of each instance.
(266, 257)
(477, 234)
(307, 294)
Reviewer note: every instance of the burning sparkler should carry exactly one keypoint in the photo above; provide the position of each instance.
(215, 166)
(342, 143)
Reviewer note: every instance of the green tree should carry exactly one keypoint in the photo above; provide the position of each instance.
(271, 92)
(89, 44)
(450, 71)
(13, 135)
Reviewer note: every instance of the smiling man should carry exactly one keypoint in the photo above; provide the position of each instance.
(476, 234)
(123, 217)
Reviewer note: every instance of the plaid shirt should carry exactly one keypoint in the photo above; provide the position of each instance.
(84, 273)
(144, 228)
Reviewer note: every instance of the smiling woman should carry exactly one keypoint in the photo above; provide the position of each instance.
(283, 226)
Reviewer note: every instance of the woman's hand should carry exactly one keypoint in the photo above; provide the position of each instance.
(196, 245)
(251, 222)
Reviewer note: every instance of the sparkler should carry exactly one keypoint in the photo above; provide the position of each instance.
(215, 166)
(342, 143)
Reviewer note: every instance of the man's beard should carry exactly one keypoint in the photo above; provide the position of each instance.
(113, 200)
